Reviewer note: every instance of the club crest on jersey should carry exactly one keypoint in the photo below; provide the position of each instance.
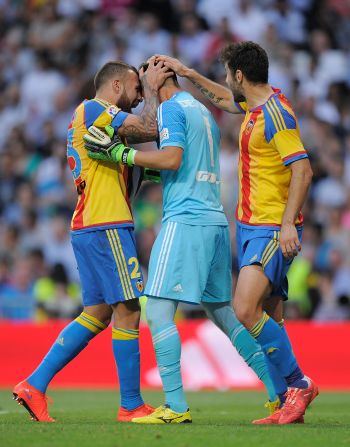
(139, 285)
(164, 134)
(112, 111)
(249, 127)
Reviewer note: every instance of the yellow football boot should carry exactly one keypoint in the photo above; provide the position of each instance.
(165, 415)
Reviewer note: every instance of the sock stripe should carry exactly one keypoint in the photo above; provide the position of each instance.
(236, 332)
(164, 331)
(169, 334)
(94, 320)
(124, 334)
(84, 320)
(165, 335)
(128, 331)
(256, 330)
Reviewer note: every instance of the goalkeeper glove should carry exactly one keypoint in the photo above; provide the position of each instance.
(101, 146)
(153, 175)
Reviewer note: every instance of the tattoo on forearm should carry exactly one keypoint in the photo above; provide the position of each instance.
(210, 95)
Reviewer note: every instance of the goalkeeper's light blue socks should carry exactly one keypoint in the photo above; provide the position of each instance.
(167, 346)
(125, 343)
(224, 317)
(275, 343)
(70, 342)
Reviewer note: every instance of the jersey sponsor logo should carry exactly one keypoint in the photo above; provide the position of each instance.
(112, 111)
(249, 127)
(164, 134)
(205, 176)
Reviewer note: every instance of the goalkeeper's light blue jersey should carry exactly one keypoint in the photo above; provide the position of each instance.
(191, 195)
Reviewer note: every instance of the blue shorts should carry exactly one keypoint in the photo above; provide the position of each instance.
(191, 263)
(108, 266)
(261, 246)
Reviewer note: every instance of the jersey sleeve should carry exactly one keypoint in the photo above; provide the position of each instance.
(98, 115)
(290, 146)
(171, 125)
(282, 131)
(241, 106)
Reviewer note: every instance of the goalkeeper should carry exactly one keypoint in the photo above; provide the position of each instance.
(103, 239)
(191, 257)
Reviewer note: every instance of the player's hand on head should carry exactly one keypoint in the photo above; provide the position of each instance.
(289, 241)
(171, 62)
(155, 75)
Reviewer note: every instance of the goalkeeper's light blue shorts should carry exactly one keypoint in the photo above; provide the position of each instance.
(108, 266)
(191, 263)
(261, 246)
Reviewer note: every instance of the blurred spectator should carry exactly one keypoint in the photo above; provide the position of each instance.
(16, 296)
(55, 296)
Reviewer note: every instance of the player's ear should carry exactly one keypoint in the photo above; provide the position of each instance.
(116, 85)
(239, 76)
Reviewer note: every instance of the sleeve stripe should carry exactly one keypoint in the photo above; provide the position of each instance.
(294, 157)
(273, 117)
(160, 117)
(278, 112)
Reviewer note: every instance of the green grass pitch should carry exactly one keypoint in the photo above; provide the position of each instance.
(87, 418)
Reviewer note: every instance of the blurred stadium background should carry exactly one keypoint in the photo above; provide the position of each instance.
(50, 51)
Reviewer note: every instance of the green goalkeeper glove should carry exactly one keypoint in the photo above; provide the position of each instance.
(101, 146)
(153, 175)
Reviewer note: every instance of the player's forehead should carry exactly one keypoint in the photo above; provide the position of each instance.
(132, 78)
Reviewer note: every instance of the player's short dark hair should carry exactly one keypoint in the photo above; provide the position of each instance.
(111, 69)
(145, 65)
(248, 57)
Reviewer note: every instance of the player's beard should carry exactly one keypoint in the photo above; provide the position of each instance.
(124, 102)
(238, 95)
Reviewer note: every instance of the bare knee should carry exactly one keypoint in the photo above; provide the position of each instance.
(102, 312)
(127, 314)
(248, 315)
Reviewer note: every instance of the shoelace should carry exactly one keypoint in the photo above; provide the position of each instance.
(290, 398)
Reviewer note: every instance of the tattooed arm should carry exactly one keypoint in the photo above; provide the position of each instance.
(143, 127)
(217, 94)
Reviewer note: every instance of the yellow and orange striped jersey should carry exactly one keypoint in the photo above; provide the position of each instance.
(102, 186)
(269, 142)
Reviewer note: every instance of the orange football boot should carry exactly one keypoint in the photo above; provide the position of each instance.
(275, 417)
(297, 400)
(33, 400)
(275, 413)
(125, 415)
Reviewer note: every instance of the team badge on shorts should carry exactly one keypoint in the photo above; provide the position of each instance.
(139, 285)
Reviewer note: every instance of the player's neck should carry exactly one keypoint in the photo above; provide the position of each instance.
(256, 95)
(166, 92)
(104, 96)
